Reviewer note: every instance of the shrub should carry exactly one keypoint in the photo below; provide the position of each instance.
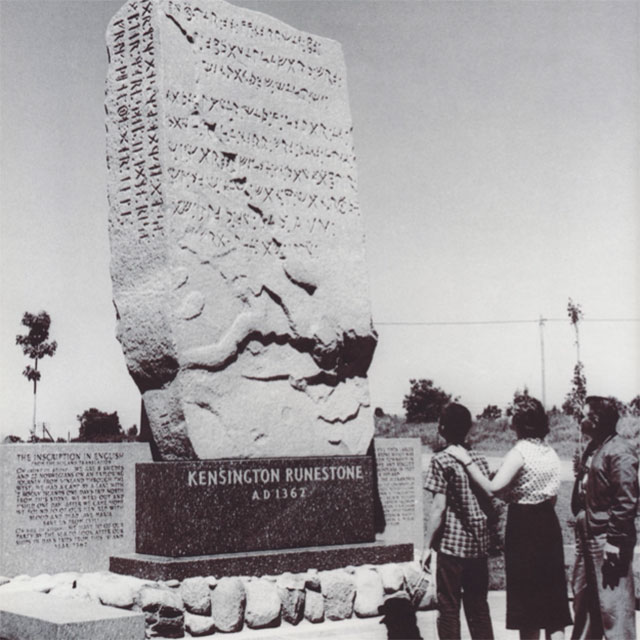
(424, 402)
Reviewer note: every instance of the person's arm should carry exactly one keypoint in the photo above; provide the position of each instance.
(436, 518)
(511, 464)
(623, 475)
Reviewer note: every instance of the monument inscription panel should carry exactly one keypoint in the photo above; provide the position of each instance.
(223, 506)
(66, 506)
(238, 261)
(399, 473)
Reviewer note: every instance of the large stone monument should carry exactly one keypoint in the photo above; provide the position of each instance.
(239, 279)
(238, 262)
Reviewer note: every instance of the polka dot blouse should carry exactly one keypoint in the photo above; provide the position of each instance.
(539, 477)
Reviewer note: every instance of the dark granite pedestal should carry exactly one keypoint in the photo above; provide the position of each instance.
(258, 563)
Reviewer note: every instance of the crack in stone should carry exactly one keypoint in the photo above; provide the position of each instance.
(306, 286)
(183, 31)
(349, 418)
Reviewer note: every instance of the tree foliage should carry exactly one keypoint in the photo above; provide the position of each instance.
(490, 412)
(634, 406)
(100, 426)
(574, 400)
(519, 397)
(35, 345)
(424, 402)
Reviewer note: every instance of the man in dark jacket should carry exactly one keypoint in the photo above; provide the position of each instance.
(605, 502)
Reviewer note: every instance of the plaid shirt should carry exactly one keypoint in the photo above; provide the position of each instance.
(465, 533)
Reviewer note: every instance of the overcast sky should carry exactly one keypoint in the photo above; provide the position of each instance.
(498, 163)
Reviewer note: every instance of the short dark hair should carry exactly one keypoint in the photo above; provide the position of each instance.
(530, 419)
(455, 420)
(606, 411)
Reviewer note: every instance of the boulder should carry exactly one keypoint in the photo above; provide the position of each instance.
(263, 604)
(338, 591)
(392, 577)
(292, 595)
(313, 606)
(369, 592)
(196, 596)
(164, 613)
(198, 625)
(228, 601)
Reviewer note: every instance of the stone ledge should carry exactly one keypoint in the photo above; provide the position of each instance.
(259, 563)
(33, 616)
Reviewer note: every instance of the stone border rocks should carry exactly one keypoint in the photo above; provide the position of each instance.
(201, 606)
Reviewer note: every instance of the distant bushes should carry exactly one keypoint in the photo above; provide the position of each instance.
(495, 436)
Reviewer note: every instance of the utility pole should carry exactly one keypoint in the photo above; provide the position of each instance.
(541, 322)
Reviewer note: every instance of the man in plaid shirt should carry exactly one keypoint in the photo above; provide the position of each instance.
(458, 530)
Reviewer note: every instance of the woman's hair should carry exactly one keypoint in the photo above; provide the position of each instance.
(455, 422)
(529, 419)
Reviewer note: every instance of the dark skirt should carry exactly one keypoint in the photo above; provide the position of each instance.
(534, 563)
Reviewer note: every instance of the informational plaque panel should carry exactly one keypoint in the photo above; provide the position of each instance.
(226, 506)
(66, 507)
(399, 469)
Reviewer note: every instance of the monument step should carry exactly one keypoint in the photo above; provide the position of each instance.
(259, 563)
(28, 615)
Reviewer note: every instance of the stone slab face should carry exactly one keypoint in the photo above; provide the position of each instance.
(224, 506)
(66, 507)
(238, 261)
(399, 476)
(260, 563)
(35, 616)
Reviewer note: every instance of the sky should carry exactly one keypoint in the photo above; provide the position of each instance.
(498, 169)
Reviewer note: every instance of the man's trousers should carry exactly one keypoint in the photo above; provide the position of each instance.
(604, 597)
(465, 579)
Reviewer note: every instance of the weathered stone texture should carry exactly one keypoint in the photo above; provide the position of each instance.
(369, 592)
(392, 577)
(228, 601)
(338, 591)
(198, 625)
(196, 596)
(238, 261)
(291, 591)
(313, 606)
(263, 604)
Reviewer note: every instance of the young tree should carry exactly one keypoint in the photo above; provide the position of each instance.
(34, 345)
(574, 400)
(574, 311)
(424, 402)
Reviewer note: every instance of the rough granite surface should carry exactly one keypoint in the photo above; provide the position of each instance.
(238, 263)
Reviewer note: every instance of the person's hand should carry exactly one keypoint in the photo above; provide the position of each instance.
(425, 561)
(611, 553)
(459, 453)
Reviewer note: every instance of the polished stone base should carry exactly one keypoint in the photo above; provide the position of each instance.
(205, 507)
(258, 563)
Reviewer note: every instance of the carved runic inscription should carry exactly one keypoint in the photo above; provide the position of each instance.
(134, 160)
(237, 240)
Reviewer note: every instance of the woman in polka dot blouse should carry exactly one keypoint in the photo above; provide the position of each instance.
(529, 479)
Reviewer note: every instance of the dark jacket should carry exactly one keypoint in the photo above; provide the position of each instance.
(611, 496)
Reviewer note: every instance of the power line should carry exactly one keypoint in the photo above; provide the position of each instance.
(488, 322)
